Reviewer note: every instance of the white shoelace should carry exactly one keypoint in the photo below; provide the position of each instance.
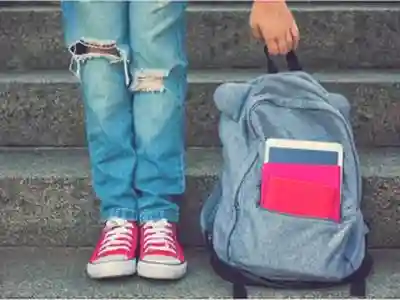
(159, 236)
(118, 236)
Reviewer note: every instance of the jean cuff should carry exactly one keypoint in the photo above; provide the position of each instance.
(121, 213)
(170, 215)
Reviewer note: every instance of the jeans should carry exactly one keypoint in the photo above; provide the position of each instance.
(133, 102)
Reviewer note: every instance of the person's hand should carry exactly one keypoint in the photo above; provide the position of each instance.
(272, 22)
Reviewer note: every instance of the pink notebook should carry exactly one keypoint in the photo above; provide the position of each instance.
(312, 191)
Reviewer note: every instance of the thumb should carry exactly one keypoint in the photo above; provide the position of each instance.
(255, 29)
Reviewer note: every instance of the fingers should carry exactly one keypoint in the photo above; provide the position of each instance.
(274, 42)
(273, 46)
(283, 43)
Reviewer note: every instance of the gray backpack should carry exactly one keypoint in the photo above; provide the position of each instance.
(250, 246)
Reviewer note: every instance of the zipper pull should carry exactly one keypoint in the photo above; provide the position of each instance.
(259, 193)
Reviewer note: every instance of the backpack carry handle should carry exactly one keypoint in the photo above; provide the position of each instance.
(291, 59)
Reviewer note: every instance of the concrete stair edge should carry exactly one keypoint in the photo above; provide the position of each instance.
(44, 108)
(357, 36)
(50, 162)
(46, 196)
(39, 273)
(219, 75)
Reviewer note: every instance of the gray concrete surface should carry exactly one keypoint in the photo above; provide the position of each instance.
(59, 273)
(45, 109)
(46, 196)
(333, 37)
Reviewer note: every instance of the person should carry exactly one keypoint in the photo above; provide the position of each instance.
(130, 58)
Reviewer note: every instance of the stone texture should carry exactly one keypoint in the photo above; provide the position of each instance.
(44, 108)
(28, 3)
(333, 36)
(46, 198)
(38, 273)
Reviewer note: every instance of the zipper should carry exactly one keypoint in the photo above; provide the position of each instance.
(254, 157)
(258, 102)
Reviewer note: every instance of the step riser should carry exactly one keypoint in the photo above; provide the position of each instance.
(40, 114)
(332, 38)
(60, 212)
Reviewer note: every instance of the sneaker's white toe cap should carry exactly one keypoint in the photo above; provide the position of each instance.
(162, 259)
(161, 267)
(111, 268)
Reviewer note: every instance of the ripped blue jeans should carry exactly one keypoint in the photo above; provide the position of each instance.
(133, 101)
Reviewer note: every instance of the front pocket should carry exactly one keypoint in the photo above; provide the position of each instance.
(310, 191)
(282, 247)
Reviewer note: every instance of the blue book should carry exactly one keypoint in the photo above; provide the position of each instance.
(303, 156)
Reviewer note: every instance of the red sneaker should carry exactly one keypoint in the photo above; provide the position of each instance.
(115, 252)
(161, 256)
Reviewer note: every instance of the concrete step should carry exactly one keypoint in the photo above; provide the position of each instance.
(361, 35)
(19, 3)
(46, 273)
(44, 108)
(46, 198)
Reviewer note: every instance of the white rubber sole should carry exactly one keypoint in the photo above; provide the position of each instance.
(161, 271)
(111, 269)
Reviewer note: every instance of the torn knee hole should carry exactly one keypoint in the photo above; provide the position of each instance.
(98, 49)
(84, 50)
(113, 51)
(148, 81)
